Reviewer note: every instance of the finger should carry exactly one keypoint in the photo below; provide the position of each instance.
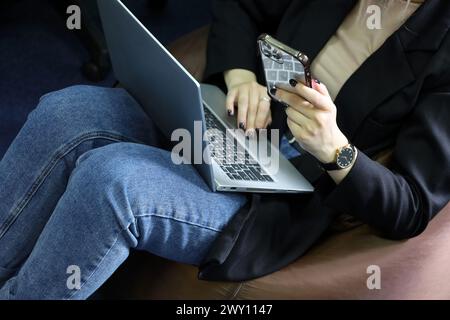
(243, 101)
(292, 99)
(288, 97)
(298, 118)
(305, 107)
(298, 103)
(262, 114)
(316, 98)
(231, 101)
(320, 87)
(295, 128)
(251, 113)
(268, 120)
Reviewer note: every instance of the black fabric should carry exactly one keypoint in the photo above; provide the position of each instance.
(399, 98)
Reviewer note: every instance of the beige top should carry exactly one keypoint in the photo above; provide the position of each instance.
(354, 41)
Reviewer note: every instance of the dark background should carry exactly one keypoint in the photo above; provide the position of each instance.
(38, 54)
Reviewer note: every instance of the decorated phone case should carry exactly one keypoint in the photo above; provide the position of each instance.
(282, 65)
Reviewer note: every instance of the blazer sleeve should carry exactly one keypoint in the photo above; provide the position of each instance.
(400, 201)
(235, 27)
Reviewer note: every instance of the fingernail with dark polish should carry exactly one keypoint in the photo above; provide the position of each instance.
(317, 81)
(273, 91)
(230, 112)
(242, 126)
(293, 82)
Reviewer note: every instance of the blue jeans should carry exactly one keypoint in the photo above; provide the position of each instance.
(83, 183)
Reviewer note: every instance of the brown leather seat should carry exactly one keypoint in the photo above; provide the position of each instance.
(336, 268)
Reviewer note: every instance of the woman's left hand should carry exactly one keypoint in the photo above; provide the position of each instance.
(312, 120)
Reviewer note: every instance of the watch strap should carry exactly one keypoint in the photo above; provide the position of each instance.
(330, 166)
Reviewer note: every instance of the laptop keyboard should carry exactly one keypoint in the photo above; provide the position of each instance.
(233, 159)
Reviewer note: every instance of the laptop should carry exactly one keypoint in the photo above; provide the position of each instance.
(178, 104)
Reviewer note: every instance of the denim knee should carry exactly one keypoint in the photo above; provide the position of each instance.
(77, 103)
(106, 180)
(88, 111)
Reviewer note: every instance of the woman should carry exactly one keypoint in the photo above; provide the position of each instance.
(84, 182)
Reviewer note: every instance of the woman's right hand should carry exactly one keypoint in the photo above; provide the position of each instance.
(250, 98)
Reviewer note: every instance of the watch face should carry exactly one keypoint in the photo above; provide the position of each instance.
(345, 157)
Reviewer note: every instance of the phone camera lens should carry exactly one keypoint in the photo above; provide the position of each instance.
(266, 49)
(277, 55)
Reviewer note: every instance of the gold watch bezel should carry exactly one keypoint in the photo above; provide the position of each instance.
(339, 151)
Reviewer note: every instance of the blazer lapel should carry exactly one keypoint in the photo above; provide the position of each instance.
(426, 29)
(387, 71)
(384, 73)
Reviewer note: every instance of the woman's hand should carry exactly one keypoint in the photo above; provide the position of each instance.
(312, 120)
(250, 99)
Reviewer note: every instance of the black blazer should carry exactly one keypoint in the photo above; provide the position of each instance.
(399, 98)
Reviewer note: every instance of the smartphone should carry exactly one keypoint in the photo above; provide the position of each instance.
(282, 65)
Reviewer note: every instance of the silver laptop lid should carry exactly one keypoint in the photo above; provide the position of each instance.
(164, 88)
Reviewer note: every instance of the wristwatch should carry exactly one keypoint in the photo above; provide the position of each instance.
(345, 157)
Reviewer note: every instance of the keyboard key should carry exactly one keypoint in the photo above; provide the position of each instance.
(256, 172)
(251, 175)
(244, 176)
(230, 169)
(261, 178)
